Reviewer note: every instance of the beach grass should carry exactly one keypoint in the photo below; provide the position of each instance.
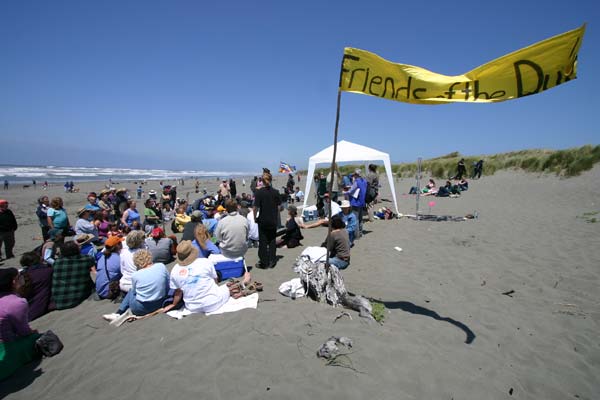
(563, 163)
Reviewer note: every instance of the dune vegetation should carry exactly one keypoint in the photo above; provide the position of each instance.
(564, 163)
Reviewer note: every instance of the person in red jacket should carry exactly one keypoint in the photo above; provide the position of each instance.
(8, 226)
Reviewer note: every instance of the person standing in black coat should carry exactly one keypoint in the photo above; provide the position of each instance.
(266, 213)
(232, 189)
(8, 226)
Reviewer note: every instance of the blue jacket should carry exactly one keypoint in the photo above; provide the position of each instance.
(359, 183)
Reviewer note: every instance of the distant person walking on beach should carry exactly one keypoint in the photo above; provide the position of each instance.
(8, 226)
(460, 169)
(266, 212)
(6, 184)
(477, 169)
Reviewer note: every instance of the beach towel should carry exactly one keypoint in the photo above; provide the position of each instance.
(231, 306)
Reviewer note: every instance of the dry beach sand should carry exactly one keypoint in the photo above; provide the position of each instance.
(449, 332)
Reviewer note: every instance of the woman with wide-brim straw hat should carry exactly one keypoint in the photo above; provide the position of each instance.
(195, 280)
(84, 241)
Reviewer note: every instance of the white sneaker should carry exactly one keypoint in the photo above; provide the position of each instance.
(121, 319)
(110, 317)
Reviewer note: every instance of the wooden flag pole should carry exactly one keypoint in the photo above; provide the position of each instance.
(329, 187)
(418, 185)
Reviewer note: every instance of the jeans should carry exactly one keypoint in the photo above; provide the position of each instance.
(138, 307)
(358, 211)
(8, 239)
(338, 262)
(267, 246)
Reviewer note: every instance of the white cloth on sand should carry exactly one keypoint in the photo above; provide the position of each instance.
(315, 253)
(231, 305)
(292, 288)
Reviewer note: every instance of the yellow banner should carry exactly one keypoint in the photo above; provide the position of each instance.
(524, 72)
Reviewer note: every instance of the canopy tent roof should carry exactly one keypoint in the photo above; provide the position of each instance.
(349, 152)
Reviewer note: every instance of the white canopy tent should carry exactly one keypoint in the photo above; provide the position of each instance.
(349, 152)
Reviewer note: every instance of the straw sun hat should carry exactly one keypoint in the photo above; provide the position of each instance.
(186, 253)
(84, 238)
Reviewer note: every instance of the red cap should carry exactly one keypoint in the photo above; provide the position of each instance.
(157, 232)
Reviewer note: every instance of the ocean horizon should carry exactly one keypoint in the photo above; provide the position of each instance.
(53, 174)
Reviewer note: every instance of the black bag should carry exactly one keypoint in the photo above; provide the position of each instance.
(372, 193)
(113, 286)
(49, 344)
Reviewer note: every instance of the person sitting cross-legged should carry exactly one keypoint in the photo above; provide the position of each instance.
(292, 235)
(338, 244)
(195, 281)
(149, 287)
(232, 232)
(17, 339)
(71, 281)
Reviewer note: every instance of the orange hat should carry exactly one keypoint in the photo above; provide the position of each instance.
(113, 241)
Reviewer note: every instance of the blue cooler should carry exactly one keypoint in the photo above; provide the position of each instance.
(310, 214)
(228, 268)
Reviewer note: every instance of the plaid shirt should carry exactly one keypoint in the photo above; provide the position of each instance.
(71, 282)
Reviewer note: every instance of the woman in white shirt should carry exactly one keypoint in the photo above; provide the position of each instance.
(133, 243)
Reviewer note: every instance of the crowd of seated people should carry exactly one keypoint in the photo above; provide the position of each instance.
(116, 252)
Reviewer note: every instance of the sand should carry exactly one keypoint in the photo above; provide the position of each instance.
(449, 332)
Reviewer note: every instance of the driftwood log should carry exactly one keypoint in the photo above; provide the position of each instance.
(326, 284)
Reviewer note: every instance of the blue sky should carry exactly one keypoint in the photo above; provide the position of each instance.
(238, 85)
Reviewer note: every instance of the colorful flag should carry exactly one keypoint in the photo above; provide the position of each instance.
(286, 168)
(527, 71)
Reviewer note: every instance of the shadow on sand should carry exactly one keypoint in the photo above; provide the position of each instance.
(22, 378)
(415, 309)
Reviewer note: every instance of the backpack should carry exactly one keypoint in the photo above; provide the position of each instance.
(371, 193)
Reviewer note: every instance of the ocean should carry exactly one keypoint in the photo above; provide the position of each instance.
(26, 174)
